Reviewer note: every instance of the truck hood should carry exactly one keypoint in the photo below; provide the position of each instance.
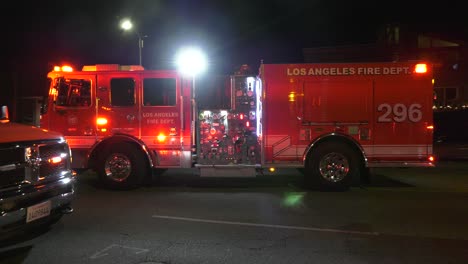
(12, 132)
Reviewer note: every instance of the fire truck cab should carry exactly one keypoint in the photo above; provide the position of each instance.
(332, 121)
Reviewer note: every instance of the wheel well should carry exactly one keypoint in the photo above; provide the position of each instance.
(93, 157)
(343, 139)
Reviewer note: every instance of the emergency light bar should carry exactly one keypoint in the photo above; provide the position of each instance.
(112, 67)
(64, 68)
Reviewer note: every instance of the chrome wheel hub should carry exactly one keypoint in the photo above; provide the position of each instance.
(118, 167)
(334, 167)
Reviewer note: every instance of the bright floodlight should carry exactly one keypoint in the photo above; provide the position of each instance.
(126, 24)
(191, 61)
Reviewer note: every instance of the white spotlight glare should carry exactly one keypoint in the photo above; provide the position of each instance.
(191, 61)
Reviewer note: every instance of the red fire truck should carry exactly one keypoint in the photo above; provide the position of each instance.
(331, 121)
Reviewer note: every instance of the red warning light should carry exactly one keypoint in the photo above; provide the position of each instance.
(420, 68)
(212, 131)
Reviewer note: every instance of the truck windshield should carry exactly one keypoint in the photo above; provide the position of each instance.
(73, 92)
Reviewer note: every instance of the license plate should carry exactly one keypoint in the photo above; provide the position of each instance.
(38, 211)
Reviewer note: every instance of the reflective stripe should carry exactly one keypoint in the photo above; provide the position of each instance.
(397, 150)
(80, 141)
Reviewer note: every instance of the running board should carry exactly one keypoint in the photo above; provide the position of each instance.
(235, 171)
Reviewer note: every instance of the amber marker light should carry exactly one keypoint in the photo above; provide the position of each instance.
(55, 160)
(420, 68)
(431, 158)
(272, 169)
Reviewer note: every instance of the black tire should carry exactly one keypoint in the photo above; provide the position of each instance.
(332, 166)
(365, 176)
(155, 177)
(122, 166)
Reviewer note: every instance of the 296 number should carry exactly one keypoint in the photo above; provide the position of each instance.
(399, 113)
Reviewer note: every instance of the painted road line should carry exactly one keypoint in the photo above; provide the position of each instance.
(267, 225)
(104, 252)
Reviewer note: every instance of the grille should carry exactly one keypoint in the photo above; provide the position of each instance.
(12, 162)
(47, 153)
(11, 155)
(32, 162)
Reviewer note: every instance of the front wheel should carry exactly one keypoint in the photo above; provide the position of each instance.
(332, 167)
(122, 166)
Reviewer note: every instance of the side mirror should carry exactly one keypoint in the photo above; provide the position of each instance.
(4, 118)
(44, 105)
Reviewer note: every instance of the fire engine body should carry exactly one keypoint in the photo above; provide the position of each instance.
(330, 120)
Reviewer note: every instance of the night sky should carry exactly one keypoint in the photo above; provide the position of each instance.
(40, 34)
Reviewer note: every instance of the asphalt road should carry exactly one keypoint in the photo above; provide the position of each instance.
(402, 216)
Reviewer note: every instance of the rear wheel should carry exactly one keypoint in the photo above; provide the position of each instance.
(122, 166)
(332, 167)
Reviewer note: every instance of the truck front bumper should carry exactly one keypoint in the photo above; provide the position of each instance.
(14, 203)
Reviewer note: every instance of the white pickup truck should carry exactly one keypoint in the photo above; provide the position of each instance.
(36, 180)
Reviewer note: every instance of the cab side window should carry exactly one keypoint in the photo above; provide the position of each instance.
(73, 92)
(159, 92)
(122, 91)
